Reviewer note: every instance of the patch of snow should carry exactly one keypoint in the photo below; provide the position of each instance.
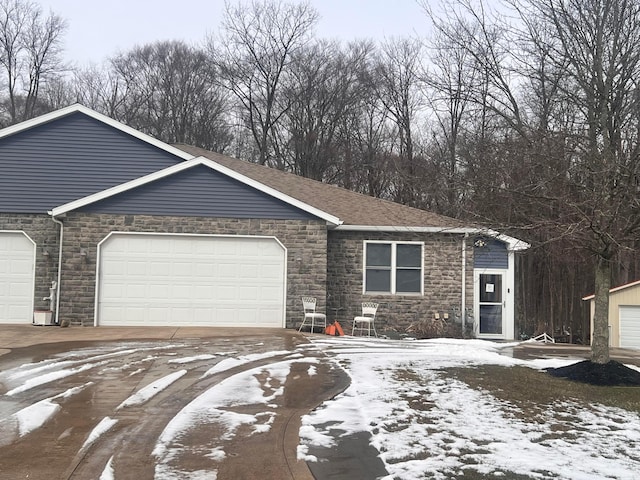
(211, 407)
(195, 358)
(229, 363)
(35, 415)
(148, 392)
(634, 367)
(216, 454)
(108, 473)
(104, 426)
(50, 377)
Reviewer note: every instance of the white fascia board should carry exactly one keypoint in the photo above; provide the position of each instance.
(49, 117)
(152, 177)
(513, 244)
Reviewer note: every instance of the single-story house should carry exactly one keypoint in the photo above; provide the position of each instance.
(624, 315)
(102, 224)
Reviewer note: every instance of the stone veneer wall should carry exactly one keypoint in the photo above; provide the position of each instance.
(305, 241)
(442, 279)
(42, 230)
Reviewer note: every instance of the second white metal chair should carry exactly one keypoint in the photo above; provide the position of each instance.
(310, 314)
(366, 321)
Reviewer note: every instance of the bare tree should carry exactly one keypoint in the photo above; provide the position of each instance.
(166, 89)
(173, 95)
(399, 82)
(599, 41)
(102, 89)
(253, 55)
(450, 81)
(323, 86)
(562, 77)
(30, 46)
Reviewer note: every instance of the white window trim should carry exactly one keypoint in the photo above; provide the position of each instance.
(394, 245)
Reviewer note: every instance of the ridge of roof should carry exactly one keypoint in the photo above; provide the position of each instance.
(353, 208)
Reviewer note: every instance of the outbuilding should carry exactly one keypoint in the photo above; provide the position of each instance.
(624, 315)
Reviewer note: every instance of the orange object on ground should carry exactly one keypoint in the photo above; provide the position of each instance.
(330, 330)
(338, 329)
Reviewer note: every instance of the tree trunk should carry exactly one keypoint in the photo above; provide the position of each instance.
(600, 341)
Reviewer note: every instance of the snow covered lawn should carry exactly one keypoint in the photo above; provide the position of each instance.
(432, 409)
(426, 424)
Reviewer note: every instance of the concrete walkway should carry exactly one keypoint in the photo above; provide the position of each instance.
(16, 336)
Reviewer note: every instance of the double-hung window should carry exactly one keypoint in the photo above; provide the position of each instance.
(393, 267)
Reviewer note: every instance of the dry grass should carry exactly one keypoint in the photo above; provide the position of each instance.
(533, 390)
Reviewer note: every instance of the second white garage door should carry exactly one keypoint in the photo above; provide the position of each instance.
(630, 327)
(17, 253)
(185, 280)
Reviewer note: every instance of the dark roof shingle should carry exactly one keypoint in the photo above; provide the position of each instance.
(351, 207)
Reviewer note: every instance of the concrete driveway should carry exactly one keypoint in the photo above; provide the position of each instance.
(137, 403)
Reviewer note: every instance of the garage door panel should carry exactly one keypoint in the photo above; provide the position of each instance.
(191, 280)
(630, 326)
(270, 271)
(16, 277)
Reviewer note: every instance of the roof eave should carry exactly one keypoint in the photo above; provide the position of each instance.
(513, 244)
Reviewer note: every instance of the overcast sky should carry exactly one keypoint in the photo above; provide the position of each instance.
(97, 29)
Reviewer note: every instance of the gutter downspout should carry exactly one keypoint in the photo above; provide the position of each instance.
(55, 220)
(463, 303)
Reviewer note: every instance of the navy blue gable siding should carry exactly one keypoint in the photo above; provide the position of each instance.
(490, 253)
(198, 192)
(69, 158)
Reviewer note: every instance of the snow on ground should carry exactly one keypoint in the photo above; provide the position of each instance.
(33, 416)
(257, 386)
(104, 426)
(423, 423)
(31, 375)
(195, 358)
(232, 362)
(108, 473)
(151, 390)
(453, 427)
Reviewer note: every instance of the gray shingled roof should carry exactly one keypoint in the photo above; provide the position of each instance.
(351, 207)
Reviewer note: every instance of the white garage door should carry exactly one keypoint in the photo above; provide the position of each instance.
(630, 327)
(16, 277)
(191, 280)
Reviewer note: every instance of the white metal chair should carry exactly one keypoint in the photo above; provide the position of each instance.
(366, 321)
(310, 314)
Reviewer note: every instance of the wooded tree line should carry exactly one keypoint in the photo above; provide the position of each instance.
(524, 116)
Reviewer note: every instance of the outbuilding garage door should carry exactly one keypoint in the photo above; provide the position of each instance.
(16, 277)
(630, 327)
(191, 280)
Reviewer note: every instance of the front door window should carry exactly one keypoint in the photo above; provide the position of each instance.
(491, 303)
